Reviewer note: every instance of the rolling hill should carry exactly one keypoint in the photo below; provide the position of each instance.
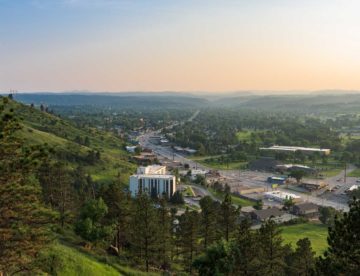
(74, 145)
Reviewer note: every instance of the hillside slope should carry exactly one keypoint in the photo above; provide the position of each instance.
(74, 145)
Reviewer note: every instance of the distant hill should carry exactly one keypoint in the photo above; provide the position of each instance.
(306, 103)
(136, 100)
(319, 101)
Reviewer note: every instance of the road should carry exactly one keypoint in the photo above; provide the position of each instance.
(194, 116)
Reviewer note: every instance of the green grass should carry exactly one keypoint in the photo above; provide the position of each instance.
(355, 173)
(235, 199)
(70, 261)
(212, 162)
(317, 234)
(331, 172)
(244, 135)
(40, 128)
(188, 191)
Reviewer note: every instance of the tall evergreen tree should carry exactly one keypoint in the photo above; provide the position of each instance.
(302, 261)
(24, 221)
(244, 249)
(165, 235)
(144, 230)
(343, 254)
(189, 237)
(228, 217)
(118, 202)
(209, 216)
(217, 260)
(271, 252)
(58, 190)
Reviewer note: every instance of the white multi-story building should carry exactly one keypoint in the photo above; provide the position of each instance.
(152, 180)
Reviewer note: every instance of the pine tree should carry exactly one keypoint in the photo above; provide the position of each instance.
(244, 249)
(302, 261)
(343, 254)
(209, 216)
(228, 217)
(24, 221)
(118, 202)
(144, 230)
(58, 190)
(217, 260)
(165, 237)
(189, 237)
(271, 252)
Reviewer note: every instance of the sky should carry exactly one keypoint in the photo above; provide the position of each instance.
(184, 45)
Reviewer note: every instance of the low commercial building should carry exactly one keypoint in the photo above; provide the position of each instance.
(130, 149)
(266, 214)
(306, 209)
(294, 167)
(313, 184)
(294, 149)
(144, 158)
(153, 180)
(182, 150)
(195, 173)
(267, 164)
(244, 190)
(276, 180)
(281, 196)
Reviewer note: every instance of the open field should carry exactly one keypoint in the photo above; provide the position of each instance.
(213, 162)
(317, 234)
(355, 173)
(235, 199)
(245, 135)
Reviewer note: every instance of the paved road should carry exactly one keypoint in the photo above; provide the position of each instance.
(194, 116)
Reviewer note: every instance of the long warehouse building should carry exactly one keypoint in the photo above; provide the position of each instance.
(294, 149)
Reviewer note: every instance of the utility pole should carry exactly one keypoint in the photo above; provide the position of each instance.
(345, 173)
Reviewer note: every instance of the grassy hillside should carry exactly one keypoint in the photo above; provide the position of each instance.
(73, 144)
(71, 261)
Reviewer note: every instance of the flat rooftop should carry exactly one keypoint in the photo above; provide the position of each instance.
(281, 195)
(293, 149)
(162, 176)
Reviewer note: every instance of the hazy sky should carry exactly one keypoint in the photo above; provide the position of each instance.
(184, 45)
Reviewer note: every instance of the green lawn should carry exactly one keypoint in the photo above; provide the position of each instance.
(245, 135)
(331, 172)
(355, 173)
(212, 162)
(235, 199)
(188, 191)
(317, 234)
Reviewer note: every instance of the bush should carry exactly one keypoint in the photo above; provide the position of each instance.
(294, 221)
